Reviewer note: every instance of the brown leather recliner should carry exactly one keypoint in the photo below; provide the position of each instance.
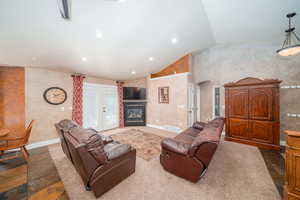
(101, 162)
(189, 153)
(66, 125)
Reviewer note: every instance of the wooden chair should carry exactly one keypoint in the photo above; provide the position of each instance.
(11, 142)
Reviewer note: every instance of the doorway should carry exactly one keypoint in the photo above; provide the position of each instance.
(100, 106)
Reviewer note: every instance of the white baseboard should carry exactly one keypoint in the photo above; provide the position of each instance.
(164, 128)
(43, 143)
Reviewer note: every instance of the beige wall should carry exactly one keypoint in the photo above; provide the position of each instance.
(227, 63)
(46, 115)
(142, 82)
(174, 113)
(99, 81)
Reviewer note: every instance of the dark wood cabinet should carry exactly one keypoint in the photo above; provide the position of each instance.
(292, 166)
(252, 112)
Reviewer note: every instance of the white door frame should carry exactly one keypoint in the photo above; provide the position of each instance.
(198, 102)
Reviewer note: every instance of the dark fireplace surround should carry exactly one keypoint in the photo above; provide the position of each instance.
(135, 113)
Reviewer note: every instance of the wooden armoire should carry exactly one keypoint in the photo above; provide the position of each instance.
(252, 112)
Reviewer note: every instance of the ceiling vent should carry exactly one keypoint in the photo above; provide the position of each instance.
(65, 8)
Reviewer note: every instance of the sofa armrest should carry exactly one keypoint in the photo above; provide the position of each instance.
(106, 139)
(198, 142)
(175, 146)
(116, 150)
(199, 125)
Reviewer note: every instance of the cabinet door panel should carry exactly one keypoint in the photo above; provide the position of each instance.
(261, 131)
(260, 103)
(238, 128)
(238, 103)
(293, 170)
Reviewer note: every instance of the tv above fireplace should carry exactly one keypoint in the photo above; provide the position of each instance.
(134, 93)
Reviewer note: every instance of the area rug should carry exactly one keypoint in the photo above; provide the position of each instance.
(147, 145)
(236, 172)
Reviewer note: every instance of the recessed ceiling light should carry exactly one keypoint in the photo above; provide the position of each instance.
(99, 35)
(151, 58)
(133, 72)
(84, 59)
(174, 40)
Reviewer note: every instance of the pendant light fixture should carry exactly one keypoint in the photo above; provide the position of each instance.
(291, 44)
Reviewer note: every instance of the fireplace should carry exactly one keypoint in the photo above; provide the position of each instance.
(135, 113)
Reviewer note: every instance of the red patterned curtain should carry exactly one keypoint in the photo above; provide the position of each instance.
(121, 106)
(77, 98)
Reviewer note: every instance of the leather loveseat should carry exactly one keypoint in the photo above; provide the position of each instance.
(189, 153)
(101, 162)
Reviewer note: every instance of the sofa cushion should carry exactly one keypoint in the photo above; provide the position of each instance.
(81, 135)
(114, 150)
(106, 138)
(217, 122)
(192, 132)
(95, 147)
(175, 146)
(209, 134)
(185, 138)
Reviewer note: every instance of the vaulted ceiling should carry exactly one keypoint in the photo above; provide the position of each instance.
(116, 38)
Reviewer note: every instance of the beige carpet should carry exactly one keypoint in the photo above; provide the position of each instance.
(147, 145)
(237, 172)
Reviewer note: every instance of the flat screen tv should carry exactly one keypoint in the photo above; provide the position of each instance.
(134, 93)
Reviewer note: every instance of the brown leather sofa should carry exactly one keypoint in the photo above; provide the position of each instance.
(101, 162)
(189, 153)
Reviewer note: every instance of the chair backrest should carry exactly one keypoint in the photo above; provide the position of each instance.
(27, 132)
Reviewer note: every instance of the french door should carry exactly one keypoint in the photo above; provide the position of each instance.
(100, 106)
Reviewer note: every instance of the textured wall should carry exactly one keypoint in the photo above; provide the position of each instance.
(142, 82)
(96, 80)
(46, 115)
(174, 113)
(12, 97)
(227, 63)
